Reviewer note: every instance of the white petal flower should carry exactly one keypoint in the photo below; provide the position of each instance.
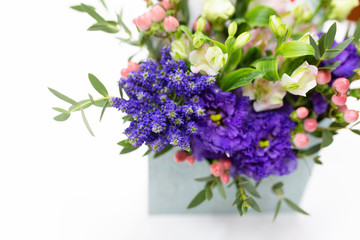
(207, 59)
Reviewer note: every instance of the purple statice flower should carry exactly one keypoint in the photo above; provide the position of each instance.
(257, 143)
(319, 102)
(349, 61)
(163, 102)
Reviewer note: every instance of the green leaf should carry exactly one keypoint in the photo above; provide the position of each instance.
(250, 189)
(239, 207)
(80, 8)
(60, 110)
(277, 186)
(332, 66)
(105, 27)
(91, 99)
(251, 55)
(312, 150)
(278, 205)
(327, 138)
(199, 198)
(269, 67)
(186, 30)
(147, 152)
(85, 104)
(127, 118)
(294, 206)
(128, 149)
(315, 46)
(295, 49)
(356, 131)
(205, 179)
(337, 49)
(165, 150)
(63, 97)
(254, 205)
(121, 22)
(221, 190)
(259, 16)
(239, 78)
(86, 122)
(62, 117)
(99, 87)
(125, 143)
(129, 41)
(208, 194)
(100, 103)
(107, 104)
(357, 33)
(330, 37)
(322, 44)
(104, 4)
(317, 160)
(91, 11)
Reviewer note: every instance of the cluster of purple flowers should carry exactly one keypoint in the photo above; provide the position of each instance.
(257, 143)
(163, 102)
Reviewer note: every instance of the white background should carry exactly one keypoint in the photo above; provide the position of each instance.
(58, 182)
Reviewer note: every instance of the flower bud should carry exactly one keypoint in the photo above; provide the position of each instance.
(302, 112)
(224, 178)
(276, 26)
(301, 140)
(143, 22)
(226, 163)
(218, 12)
(157, 13)
(339, 99)
(180, 156)
(198, 42)
(232, 29)
(190, 159)
(351, 116)
(217, 169)
(342, 109)
(166, 4)
(310, 125)
(323, 77)
(200, 24)
(242, 40)
(341, 85)
(171, 24)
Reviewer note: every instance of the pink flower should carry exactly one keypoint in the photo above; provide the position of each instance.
(217, 169)
(310, 125)
(339, 99)
(180, 156)
(342, 109)
(302, 112)
(166, 4)
(341, 85)
(323, 77)
(157, 13)
(190, 159)
(171, 24)
(224, 178)
(226, 163)
(143, 22)
(351, 116)
(260, 37)
(132, 66)
(301, 140)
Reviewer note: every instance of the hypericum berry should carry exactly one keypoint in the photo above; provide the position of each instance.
(157, 13)
(301, 140)
(323, 77)
(351, 116)
(302, 112)
(310, 125)
(342, 109)
(224, 178)
(339, 99)
(217, 169)
(341, 85)
(190, 159)
(143, 22)
(166, 4)
(180, 156)
(171, 24)
(226, 163)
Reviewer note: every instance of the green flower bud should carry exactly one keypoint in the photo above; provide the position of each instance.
(277, 27)
(218, 12)
(242, 40)
(200, 24)
(232, 29)
(198, 42)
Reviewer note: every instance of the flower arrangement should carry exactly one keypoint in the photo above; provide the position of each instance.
(243, 88)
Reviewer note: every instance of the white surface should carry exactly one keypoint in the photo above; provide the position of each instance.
(58, 182)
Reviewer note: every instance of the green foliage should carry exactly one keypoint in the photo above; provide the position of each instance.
(165, 150)
(208, 194)
(199, 198)
(205, 179)
(239, 78)
(269, 67)
(259, 16)
(108, 27)
(98, 86)
(221, 190)
(295, 49)
(327, 138)
(277, 209)
(294, 206)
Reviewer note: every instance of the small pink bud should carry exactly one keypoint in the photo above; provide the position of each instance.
(310, 125)
(341, 85)
(323, 77)
(224, 178)
(157, 13)
(171, 24)
(339, 99)
(166, 4)
(217, 169)
(351, 116)
(190, 159)
(180, 156)
(124, 72)
(301, 140)
(143, 22)
(342, 109)
(133, 66)
(302, 112)
(226, 163)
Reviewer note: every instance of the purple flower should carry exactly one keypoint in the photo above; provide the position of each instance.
(319, 102)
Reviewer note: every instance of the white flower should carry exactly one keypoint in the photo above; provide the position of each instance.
(180, 49)
(301, 81)
(267, 95)
(207, 59)
(217, 12)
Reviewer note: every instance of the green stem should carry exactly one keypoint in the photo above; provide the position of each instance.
(89, 102)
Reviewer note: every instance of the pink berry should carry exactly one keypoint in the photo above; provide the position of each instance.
(302, 112)
(323, 77)
(133, 66)
(217, 169)
(341, 85)
(157, 13)
(310, 125)
(166, 4)
(351, 116)
(124, 72)
(143, 22)
(339, 99)
(301, 140)
(342, 109)
(190, 159)
(226, 163)
(224, 178)
(180, 156)
(171, 24)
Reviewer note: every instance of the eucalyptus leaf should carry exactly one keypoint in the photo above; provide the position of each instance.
(251, 189)
(91, 11)
(105, 27)
(239, 78)
(208, 194)
(62, 117)
(221, 190)
(312, 150)
(356, 131)
(80, 8)
(107, 104)
(327, 138)
(330, 37)
(199, 198)
(254, 205)
(295, 49)
(60, 110)
(99, 87)
(165, 150)
(205, 179)
(294, 206)
(317, 160)
(91, 99)
(63, 97)
(128, 149)
(277, 186)
(125, 143)
(86, 122)
(278, 206)
(129, 41)
(259, 16)
(315, 46)
(337, 49)
(147, 152)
